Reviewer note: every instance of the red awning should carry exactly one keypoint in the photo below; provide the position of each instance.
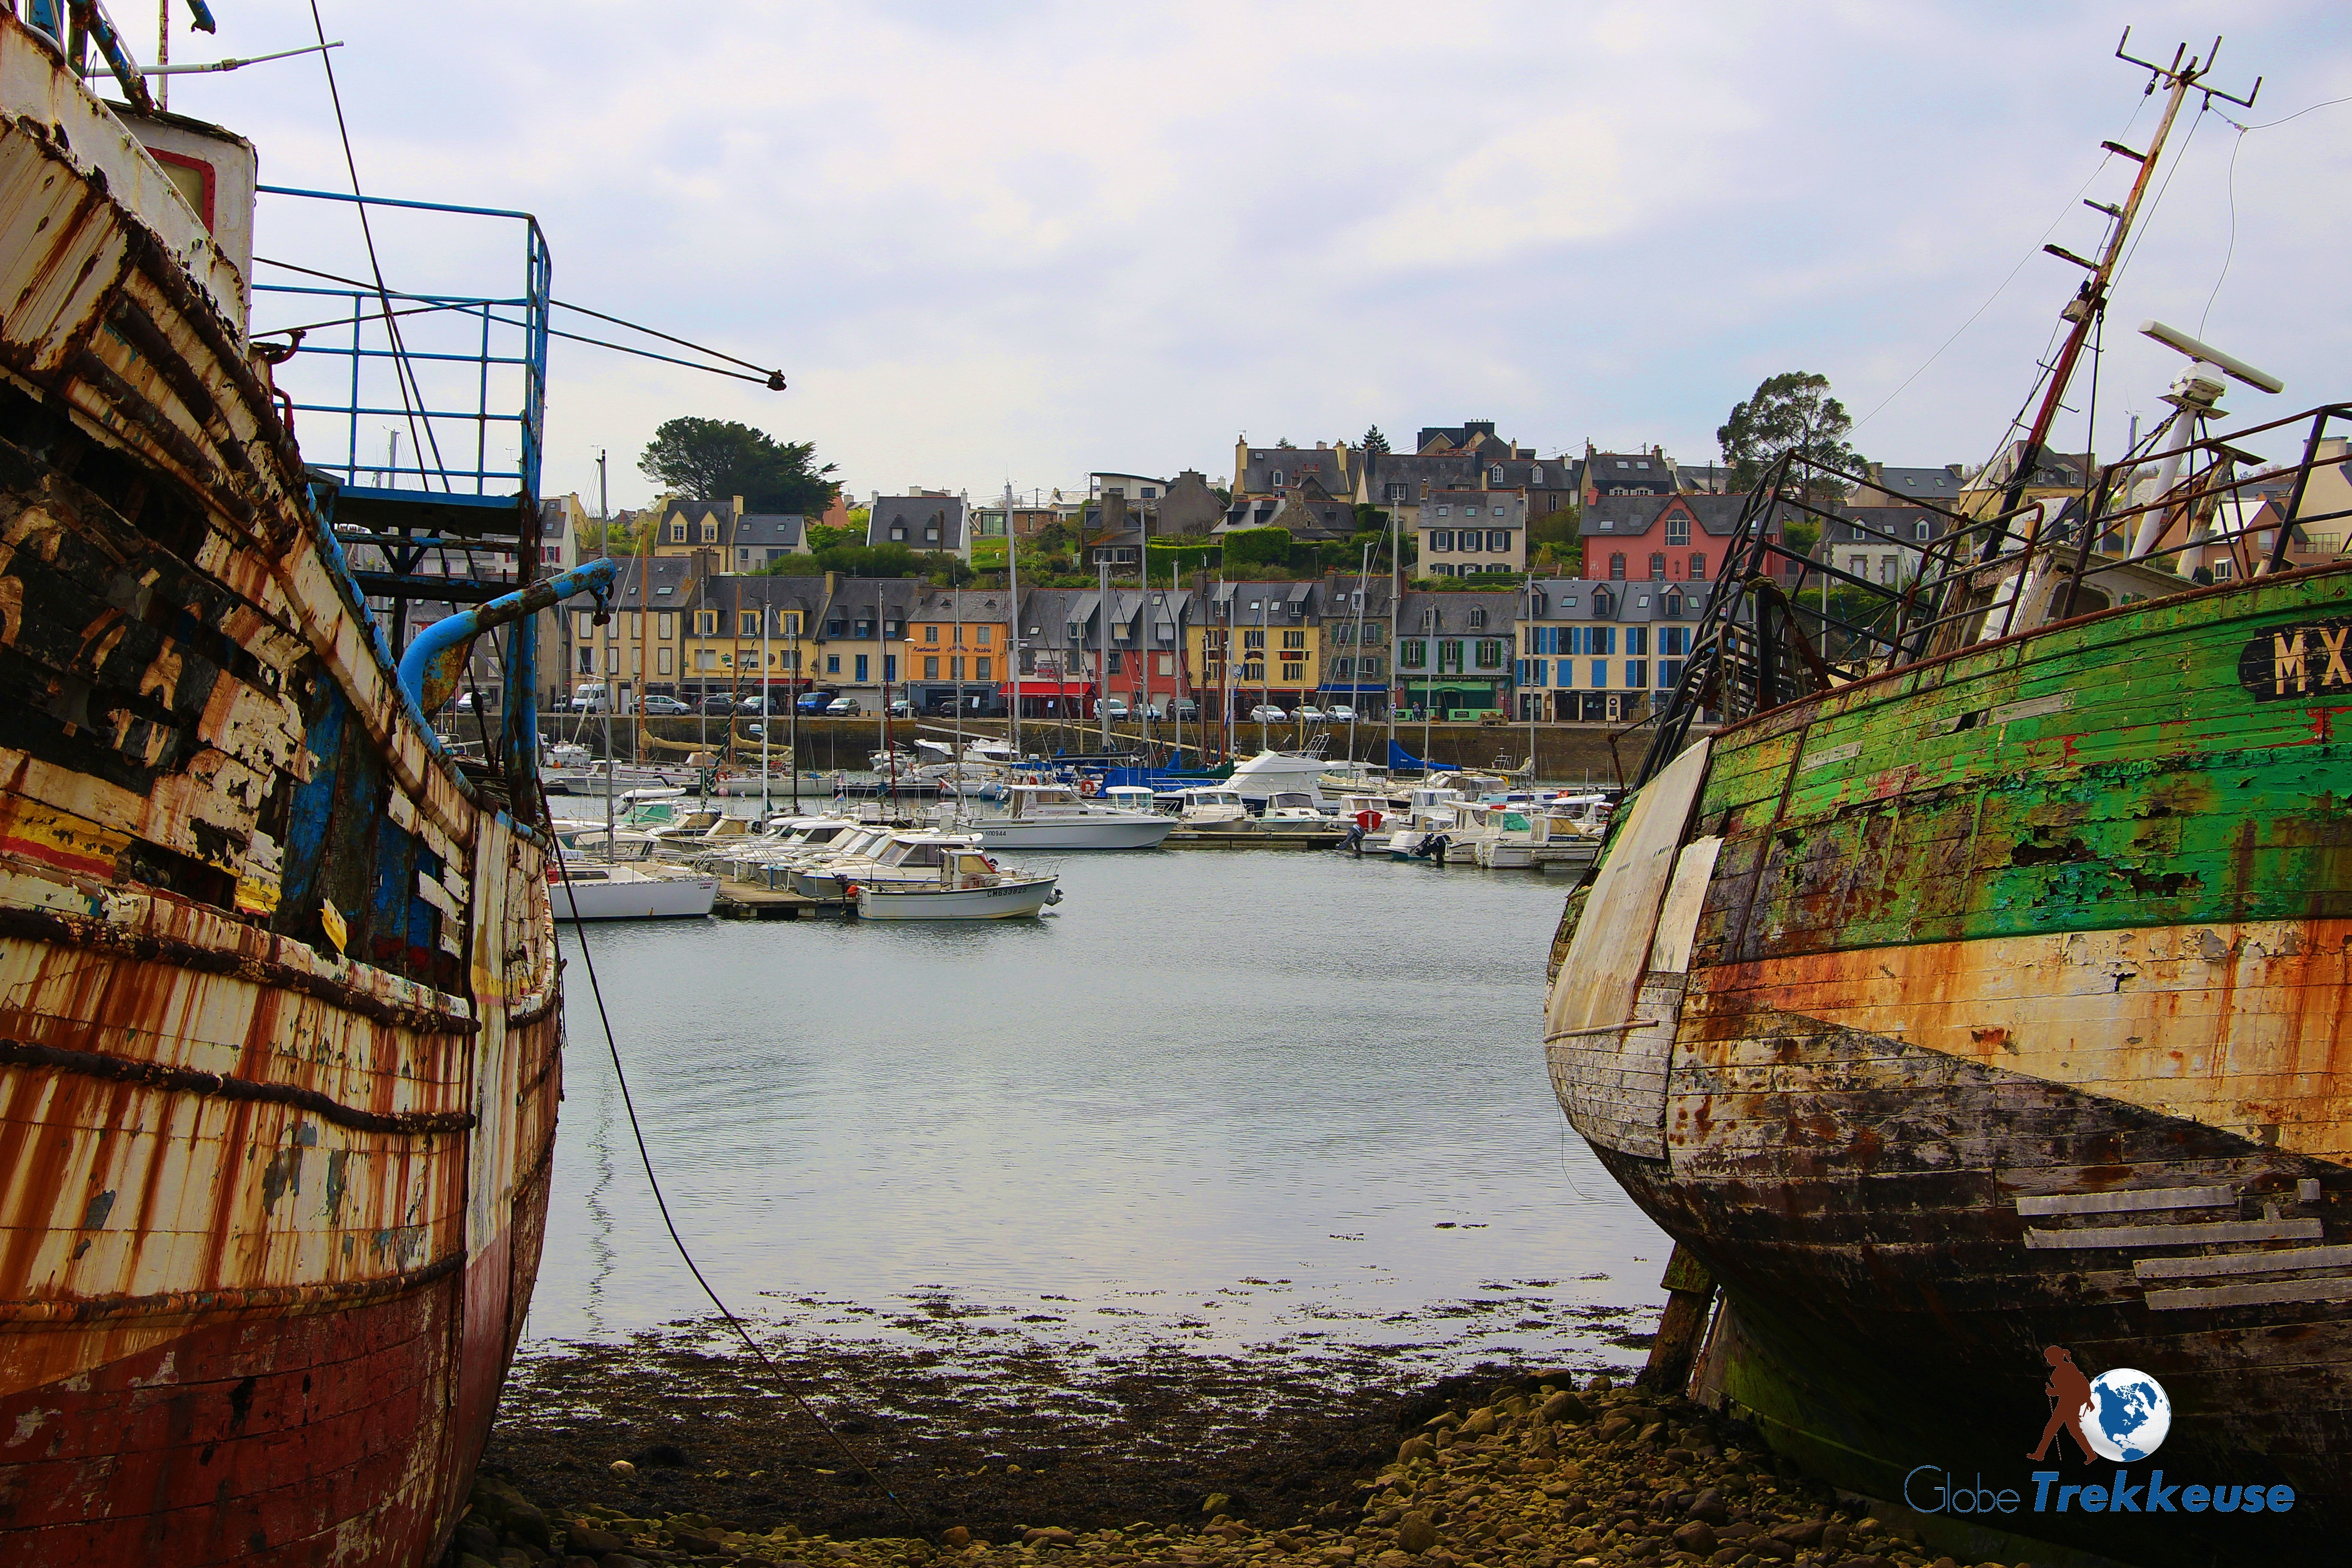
(1031, 687)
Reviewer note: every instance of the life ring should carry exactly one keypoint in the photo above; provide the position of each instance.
(1090, 787)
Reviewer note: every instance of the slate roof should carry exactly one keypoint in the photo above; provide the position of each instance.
(915, 514)
(1629, 517)
(1938, 485)
(1572, 599)
(1453, 615)
(1605, 473)
(961, 604)
(1297, 463)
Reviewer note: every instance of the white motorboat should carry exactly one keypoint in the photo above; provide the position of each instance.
(1211, 809)
(991, 753)
(1055, 816)
(1429, 816)
(966, 885)
(1563, 831)
(1294, 809)
(1257, 777)
(884, 859)
(600, 890)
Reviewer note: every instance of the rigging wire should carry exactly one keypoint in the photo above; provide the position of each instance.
(645, 1156)
(771, 379)
(2229, 254)
(403, 373)
(2002, 286)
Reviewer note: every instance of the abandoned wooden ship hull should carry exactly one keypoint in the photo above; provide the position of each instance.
(2001, 1002)
(280, 1037)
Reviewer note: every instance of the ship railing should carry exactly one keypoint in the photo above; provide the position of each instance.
(1762, 642)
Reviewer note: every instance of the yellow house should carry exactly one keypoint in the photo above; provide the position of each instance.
(1269, 634)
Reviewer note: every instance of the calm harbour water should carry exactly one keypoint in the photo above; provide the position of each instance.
(1235, 1097)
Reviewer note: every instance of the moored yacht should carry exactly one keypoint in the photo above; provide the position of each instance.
(1055, 816)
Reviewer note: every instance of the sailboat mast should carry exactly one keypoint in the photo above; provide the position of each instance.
(2085, 310)
(612, 680)
(1012, 590)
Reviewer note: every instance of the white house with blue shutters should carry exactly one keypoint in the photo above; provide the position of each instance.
(1602, 652)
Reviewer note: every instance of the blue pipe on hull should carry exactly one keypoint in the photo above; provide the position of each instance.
(429, 670)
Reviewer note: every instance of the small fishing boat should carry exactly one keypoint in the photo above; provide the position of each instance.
(966, 885)
(1203, 808)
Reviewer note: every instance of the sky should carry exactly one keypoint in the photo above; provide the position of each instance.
(993, 244)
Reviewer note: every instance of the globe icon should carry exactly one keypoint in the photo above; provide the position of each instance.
(2128, 1414)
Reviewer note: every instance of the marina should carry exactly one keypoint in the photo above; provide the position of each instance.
(733, 1029)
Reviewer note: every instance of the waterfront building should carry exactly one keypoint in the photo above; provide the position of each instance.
(860, 636)
(957, 644)
(1602, 652)
(1454, 652)
(1354, 642)
(1057, 656)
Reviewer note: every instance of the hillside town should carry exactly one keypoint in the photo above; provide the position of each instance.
(1468, 579)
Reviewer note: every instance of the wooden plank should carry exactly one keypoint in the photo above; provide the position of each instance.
(2280, 1262)
(2127, 1235)
(2128, 1202)
(1606, 958)
(2264, 1293)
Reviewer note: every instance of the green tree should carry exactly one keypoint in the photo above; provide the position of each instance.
(947, 569)
(820, 537)
(1285, 445)
(1374, 441)
(1791, 412)
(709, 459)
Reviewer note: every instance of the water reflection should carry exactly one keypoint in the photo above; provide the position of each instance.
(1232, 1096)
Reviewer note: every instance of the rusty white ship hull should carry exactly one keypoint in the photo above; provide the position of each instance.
(279, 1041)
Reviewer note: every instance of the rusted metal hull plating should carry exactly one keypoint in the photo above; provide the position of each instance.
(2001, 1002)
(279, 1033)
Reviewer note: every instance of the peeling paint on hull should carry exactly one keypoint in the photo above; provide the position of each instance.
(280, 1037)
(2015, 1014)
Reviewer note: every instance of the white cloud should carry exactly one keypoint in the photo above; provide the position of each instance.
(991, 241)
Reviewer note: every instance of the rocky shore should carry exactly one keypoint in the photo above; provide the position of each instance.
(1542, 1467)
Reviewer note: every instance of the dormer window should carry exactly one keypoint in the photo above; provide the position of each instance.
(897, 531)
(678, 534)
(709, 533)
(1477, 617)
(1278, 479)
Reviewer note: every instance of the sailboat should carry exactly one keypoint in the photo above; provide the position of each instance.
(1977, 997)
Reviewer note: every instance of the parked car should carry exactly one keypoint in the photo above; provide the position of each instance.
(900, 708)
(1184, 709)
(841, 706)
(718, 702)
(1267, 713)
(772, 703)
(1306, 713)
(666, 705)
(1341, 714)
(1111, 706)
(814, 702)
(588, 698)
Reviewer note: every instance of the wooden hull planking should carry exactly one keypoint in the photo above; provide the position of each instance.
(1998, 1003)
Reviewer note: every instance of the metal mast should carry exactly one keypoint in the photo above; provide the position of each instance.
(2181, 77)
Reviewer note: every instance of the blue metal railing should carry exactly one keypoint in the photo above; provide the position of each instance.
(401, 366)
